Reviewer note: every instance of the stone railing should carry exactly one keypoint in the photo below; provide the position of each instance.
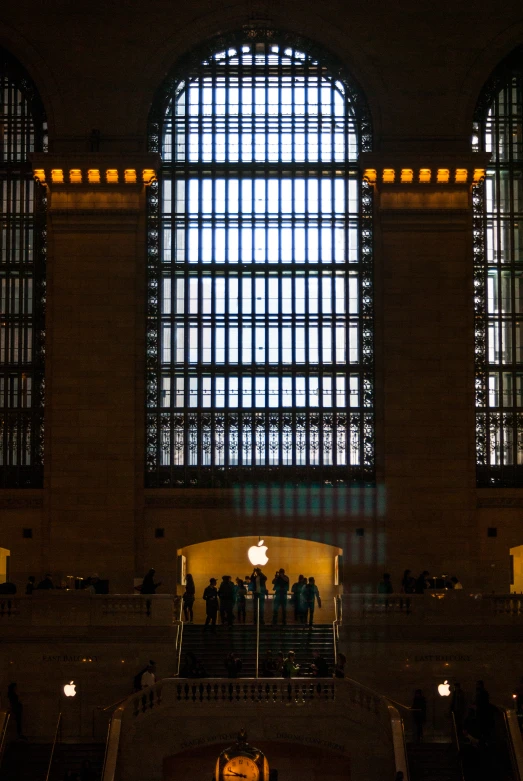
(78, 608)
(437, 607)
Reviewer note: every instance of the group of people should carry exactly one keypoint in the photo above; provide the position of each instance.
(473, 718)
(279, 666)
(230, 598)
(412, 585)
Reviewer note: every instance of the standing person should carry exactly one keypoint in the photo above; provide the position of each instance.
(422, 582)
(241, 600)
(16, 709)
(339, 670)
(259, 592)
(148, 677)
(281, 589)
(319, 667)
(188, 598)
(148, 584)
(290, 668)
(269, 665)
(278, 666)
(312, 595)
(210, 596)
(408, 583)
(226, 595)
(483, 711)
(233, 665)
(46, 583)
(297, 596)
(137, 683)
(30, 585)
(458, 707)
(419, 714)
(385, 585)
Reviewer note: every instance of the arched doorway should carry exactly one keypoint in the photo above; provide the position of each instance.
(230, 556)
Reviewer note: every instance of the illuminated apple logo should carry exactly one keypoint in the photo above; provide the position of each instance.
(70, 689)
(444, 689)
(256, 554)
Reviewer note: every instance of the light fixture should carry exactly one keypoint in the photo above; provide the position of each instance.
(75, 176)
(424, 175)
(407, 176)
(461, 175)
(443, 176)
(129, 176)
(369, 175)
(93, 176)
(148, 175)
(39, 175)
(57, 176)
(389, 175)
(479, 175)
(112, 176)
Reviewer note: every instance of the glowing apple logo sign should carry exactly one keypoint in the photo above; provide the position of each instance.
(444, 689)
(70, 689)
(256, 554)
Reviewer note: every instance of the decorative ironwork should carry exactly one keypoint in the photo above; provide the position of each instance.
(22, 280)
(498, 278)
(260, 300)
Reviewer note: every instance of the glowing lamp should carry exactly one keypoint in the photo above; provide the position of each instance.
(443, 176)
(389, 175)
(129, 176)
(407, 175)
(39, 175)
(57, 176)
(479, 175)
(112, 176)
(93, 176)
(148, 175)
(461, 175)
(369, 175)
(75, 176)
(424, 175)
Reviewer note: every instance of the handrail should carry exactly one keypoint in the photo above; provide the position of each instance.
(112, 705)
(179, 640)
(257, 606)
(515, 741)
(383, 696)
(398, 742)
(59, 720)
(4, 721)
(455, 738)
(112, 744)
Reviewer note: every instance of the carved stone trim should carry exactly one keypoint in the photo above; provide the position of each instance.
(500, 501)
(189, 502)
(20, 501)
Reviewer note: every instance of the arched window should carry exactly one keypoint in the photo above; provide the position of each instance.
(22, 280)
(260, 351)
(498, 278)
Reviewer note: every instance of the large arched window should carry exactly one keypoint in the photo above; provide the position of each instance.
(22, 280)
(260, 357)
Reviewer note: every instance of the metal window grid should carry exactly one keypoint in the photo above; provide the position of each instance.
(498, 279)
(22, 280)
(260, 320)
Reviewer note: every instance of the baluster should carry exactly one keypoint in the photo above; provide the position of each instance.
(136, 706)
(178, 691)
(223, 692)
(186, 690)
(237, 687)
(208, 690)
(216, 691)
(200, 690)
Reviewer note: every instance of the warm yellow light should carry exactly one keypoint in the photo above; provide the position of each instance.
(57, 176)
(479, 175)
(389, 175)
(149, 175)
(461, 175)
(130, 176)
(75, 176)
(424, 175)
(407, 175)
(443, 176)
(93, 176)
(39, 175)
(112, 176)
(369, 175)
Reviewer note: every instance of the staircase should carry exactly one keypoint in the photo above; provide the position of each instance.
(433, 762)
(25, 761)
(212, 649)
